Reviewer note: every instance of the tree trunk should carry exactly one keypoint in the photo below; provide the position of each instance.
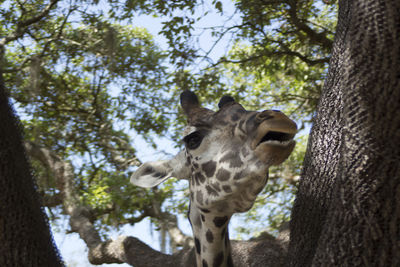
(25, 239)
(347, 210)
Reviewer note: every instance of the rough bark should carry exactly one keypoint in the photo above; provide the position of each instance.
(347, 211)
(25, 238)
(320, 162)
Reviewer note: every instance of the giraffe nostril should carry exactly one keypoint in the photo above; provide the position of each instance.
(265, 115)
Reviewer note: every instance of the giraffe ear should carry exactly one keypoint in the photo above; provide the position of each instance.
(189, 101)
(153, 173)
(225, 100)
(150, 174)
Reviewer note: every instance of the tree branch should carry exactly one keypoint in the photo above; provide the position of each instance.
(51, 201)
(314, 36)
(170, 222)
(310, 62)
(123, 249)
(303, 58)
(22, 25)
(38, 17)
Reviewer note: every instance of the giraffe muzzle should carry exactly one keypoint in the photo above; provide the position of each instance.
(273, 141)
(278, 131)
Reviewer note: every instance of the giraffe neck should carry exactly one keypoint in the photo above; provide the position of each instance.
(211, 236)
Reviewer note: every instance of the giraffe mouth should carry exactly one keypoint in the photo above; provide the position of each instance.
(274, 145)
(276, 138)
(278, 133)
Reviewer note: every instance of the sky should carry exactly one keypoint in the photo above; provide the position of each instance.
(72, 248)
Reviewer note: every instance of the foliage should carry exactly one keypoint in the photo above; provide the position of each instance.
(80, 85)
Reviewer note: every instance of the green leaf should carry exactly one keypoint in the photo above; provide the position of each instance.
(218, 6)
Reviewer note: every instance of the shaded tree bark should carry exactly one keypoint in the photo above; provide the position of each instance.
(25, 238)
(347, 210)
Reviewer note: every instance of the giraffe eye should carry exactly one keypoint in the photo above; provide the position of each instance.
(193, 140)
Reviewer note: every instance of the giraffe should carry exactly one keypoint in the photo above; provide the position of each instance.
(226, 159)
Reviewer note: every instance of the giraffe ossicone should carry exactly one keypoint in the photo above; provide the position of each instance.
(226, 159)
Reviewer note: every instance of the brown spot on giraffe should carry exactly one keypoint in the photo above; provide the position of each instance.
(209, 236)
(211, 191)
(197, 245)
(223, 175)
(220, 221)
(227, 188)
(233, 159)
(199, 178)
(209, 168)
(219, 258)
(238, 176)
(216, 186)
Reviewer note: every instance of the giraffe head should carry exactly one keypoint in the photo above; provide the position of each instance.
(226, 156)
(226, 159)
